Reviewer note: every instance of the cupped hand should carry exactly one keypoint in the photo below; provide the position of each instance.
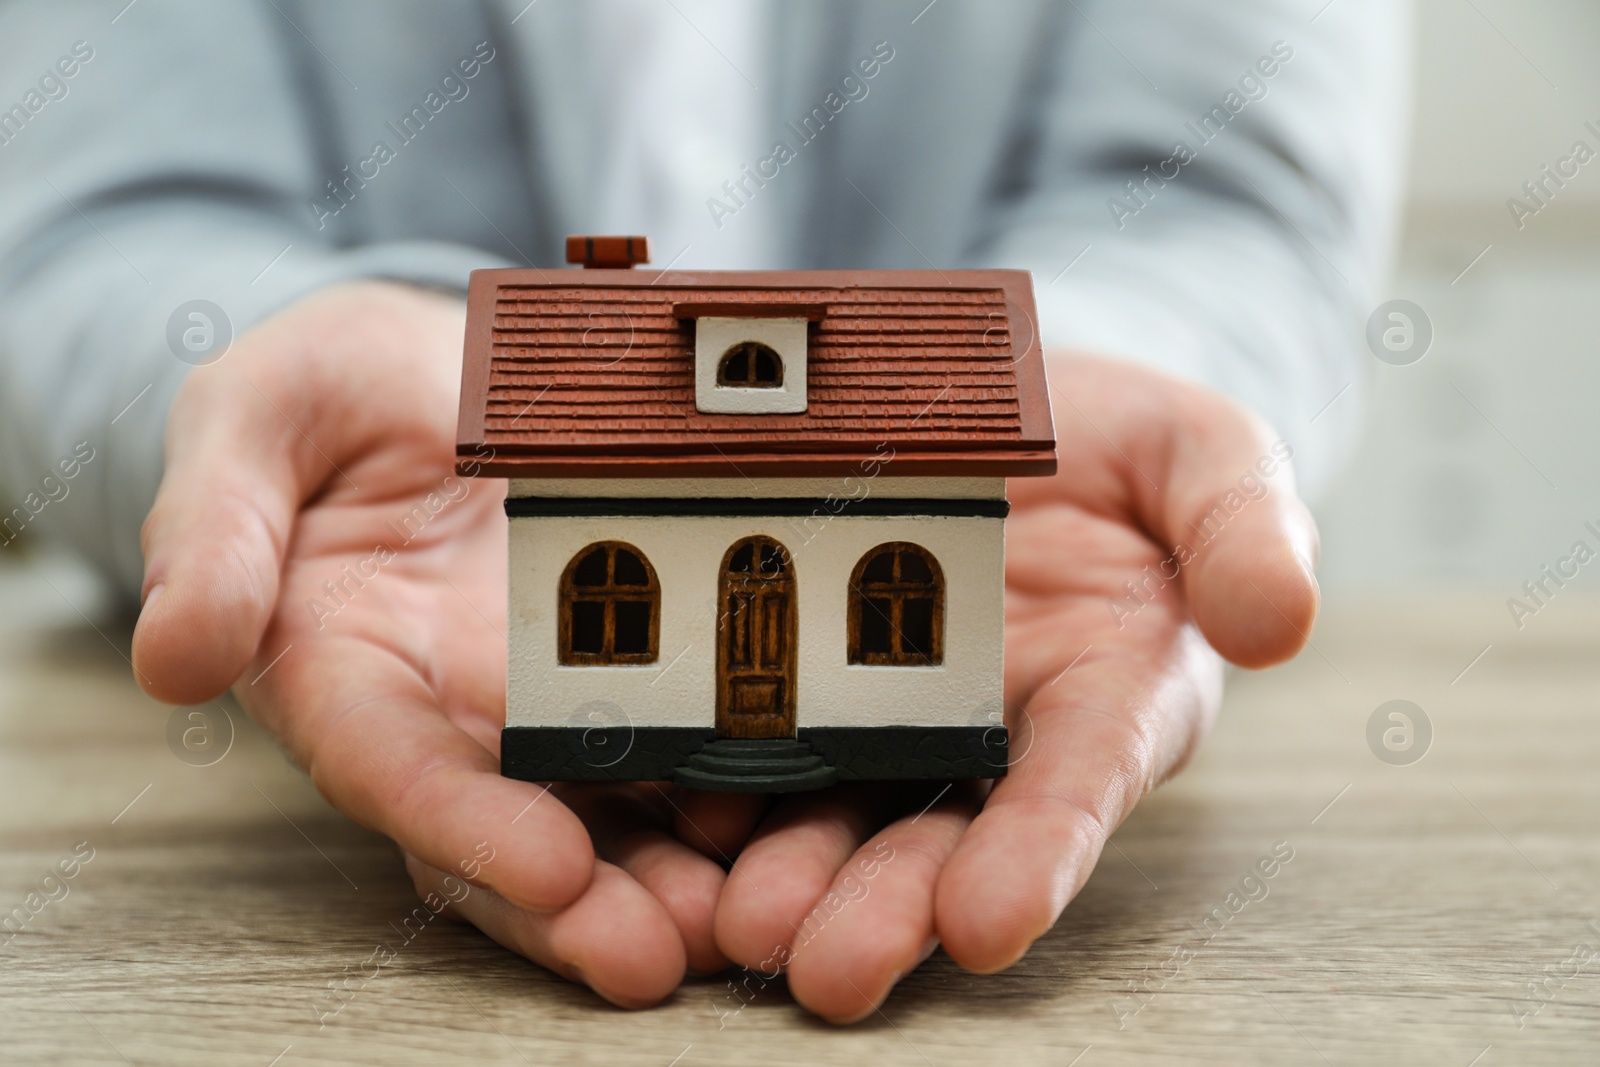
(312, 547)
(1170, 540)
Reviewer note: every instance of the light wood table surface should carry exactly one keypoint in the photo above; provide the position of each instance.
(1421, 903)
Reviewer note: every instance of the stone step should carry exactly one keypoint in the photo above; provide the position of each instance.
(756, 765)
(804, 782)
(721, 764)
(763, 745)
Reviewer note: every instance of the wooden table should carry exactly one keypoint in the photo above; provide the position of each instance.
(1421, 901)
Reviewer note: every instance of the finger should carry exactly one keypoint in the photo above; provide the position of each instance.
(252, 437)
(630, 831)
(1212, 484)
(717, 824)
(875, 924)
(1231, 500)
(214, 539)
(616, 938)
(1090, 748)
(378, 747)
(685, 883)
(788, 865)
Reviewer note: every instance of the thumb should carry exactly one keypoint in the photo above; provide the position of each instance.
(215, 538)
(1239, 533)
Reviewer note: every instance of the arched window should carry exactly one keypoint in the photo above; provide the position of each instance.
(610, 609)
(896, 612)
(751, 365)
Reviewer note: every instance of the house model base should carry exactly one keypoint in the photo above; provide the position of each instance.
(756, 519)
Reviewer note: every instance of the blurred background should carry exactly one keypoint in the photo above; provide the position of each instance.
(1478, 465)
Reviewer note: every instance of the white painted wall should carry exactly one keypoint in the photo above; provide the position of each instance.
(686, 552)
(712, 339)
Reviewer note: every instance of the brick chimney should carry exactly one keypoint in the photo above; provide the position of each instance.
(617, 253)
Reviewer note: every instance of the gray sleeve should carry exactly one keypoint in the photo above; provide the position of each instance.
(174, 163)
(1214, 193)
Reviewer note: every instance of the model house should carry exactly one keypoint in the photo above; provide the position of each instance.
(756, 518)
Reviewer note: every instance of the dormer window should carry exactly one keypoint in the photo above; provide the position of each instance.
(750, 365)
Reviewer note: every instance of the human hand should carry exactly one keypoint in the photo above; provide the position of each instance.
(1103, 702)
(289, 460)
(320, 450)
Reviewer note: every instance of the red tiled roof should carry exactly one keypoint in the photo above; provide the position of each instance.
(588, 372)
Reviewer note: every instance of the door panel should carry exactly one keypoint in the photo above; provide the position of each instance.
(756, 641)
(756, 696)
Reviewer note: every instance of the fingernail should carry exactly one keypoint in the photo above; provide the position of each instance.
(152, 596)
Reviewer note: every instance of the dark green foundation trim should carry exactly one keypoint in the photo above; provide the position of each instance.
(598, 753)
(751, 507)
(888, 753)
(653, 753)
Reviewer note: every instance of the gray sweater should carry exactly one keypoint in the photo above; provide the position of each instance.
(1208, 188)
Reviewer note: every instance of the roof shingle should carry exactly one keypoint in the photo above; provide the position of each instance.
(570, 372)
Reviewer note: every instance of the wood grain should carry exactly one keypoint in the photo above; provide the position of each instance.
(895, 591)
(758, 630)
(610, 594)
(1419, 902)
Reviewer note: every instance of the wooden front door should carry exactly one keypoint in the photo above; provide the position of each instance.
(756, 626)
